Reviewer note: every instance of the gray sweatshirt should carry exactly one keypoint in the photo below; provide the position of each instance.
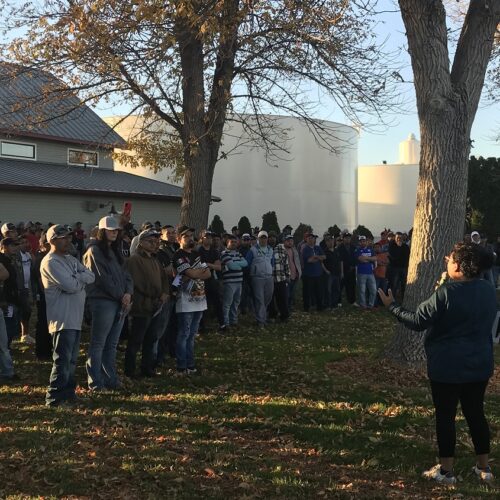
(112, 280)
(64, 279)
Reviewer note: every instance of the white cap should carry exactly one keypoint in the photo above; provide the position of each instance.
(8, 226)
(474, 233)
(109, 222)
(262, 233)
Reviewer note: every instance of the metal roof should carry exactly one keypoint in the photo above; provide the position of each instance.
(37, 104)
(35, 176)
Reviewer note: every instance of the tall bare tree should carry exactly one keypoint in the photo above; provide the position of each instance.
(192, 65)
(447, 100)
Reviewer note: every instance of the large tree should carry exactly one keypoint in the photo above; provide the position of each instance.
(190, 65)
(447, 100)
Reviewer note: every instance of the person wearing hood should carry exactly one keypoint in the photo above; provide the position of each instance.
(110, 298)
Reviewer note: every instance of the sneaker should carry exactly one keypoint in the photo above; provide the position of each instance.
(339, 305)
(435, 474)
(484, 474)
(28, 339)
(192, 371)
(180, 372)
(355, 304)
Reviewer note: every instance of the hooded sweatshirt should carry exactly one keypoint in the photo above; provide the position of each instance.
(112, 280)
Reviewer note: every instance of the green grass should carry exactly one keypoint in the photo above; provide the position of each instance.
(304, 410)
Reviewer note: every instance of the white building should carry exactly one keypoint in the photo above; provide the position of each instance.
(386, 196)
(310, 184)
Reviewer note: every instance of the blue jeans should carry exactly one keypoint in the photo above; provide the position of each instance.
(107, 324)
(367, 281)
(263, 289)
(6, 366)
(62, 381)
(13, 325)
(188, 324)
(230, 301)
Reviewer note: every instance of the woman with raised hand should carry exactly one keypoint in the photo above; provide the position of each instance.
(458, 318)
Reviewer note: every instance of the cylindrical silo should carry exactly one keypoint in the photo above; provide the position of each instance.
(409, 151)
(309, 183)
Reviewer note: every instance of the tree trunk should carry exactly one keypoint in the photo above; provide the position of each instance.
(204, 123)
(197, 194)
(447, 103)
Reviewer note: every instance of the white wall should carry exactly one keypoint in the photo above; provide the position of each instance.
(387, 196)
(311, 185)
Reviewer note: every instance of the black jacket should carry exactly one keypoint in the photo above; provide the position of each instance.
(399, 256)
(9, 289)
(458, 318)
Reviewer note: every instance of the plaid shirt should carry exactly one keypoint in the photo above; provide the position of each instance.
(281, 271)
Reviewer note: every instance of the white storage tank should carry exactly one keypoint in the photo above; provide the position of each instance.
(310, 184)
(409, 151)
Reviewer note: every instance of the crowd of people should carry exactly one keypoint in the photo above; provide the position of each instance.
(155, 288)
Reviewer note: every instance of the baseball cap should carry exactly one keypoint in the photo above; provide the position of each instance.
(474, 233)
(146, 225)
(361, 238)
(181, 230)
(109, 222)
(206, 233)
(57, 231)
(308, 235)
(8, 226)
(246, 236)
(148, 233)
(288, 237)
(262, 233)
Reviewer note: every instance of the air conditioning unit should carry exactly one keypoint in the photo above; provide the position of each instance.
(91, 206)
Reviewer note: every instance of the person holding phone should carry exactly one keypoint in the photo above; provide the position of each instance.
(458, 318)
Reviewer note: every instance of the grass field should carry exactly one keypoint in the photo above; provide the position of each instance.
(303, 410)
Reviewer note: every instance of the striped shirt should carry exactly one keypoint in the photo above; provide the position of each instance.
(232, 266)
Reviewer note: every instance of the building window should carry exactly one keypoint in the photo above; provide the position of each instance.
(79, 157)
(18, 150)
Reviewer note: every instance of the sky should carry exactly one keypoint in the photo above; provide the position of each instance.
(375, 146)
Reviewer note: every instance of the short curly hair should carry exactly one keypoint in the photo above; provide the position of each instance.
(472, 259)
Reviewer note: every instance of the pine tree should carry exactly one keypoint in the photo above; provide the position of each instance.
(363, 231)
(217, 225)
(244, 226)
(298, 235)
(270, 222)
(334, 231)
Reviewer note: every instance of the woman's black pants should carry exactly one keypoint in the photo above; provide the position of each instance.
(471, 397)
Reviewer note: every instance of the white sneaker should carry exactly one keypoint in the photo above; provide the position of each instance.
(435, 474)
(28, 339)
(483, 474)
